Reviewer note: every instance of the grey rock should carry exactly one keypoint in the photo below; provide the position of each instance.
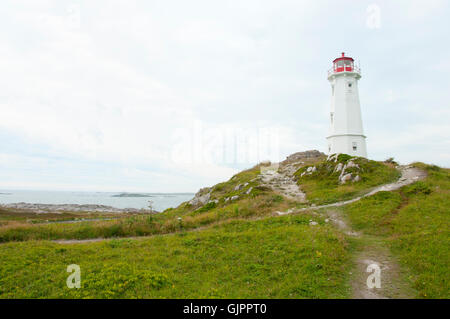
(352, 164)
(202, 197)
(303, 155)
(344, 178)
(338, 167)
(332, 157)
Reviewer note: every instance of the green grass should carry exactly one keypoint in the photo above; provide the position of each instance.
(323, 187)
(238, 250)
(21, 216)
(259, 202)
(145, 225)
(271, 258)
(415, 221)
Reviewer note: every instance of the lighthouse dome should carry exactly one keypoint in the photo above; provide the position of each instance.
(344, 64)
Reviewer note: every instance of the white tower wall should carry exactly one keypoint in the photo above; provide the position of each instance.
(346, 130)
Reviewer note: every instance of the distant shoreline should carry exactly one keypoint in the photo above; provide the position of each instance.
(150, 194)
(50, 208)
(90, 201)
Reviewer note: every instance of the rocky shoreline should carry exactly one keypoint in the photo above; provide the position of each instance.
(52, 208)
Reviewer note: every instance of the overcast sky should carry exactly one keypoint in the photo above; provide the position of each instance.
(170, 96)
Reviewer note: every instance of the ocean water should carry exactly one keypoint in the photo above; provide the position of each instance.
(161, 201)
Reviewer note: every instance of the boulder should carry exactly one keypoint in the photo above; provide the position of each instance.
(351, 164)
(332, 157)
(303, 155)
(201, 197)
(338, 167)
(344, 178)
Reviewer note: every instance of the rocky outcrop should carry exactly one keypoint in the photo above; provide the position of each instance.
(283, 182)
(345, 177)
(345, 167)
(232, 198)
(201, 197)
(299, 156)
(309, 171)
(240, 186)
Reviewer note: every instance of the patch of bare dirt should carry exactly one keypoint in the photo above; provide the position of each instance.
(281, 180)
(393, 283)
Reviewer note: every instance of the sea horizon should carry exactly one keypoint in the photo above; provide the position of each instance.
(119, 199)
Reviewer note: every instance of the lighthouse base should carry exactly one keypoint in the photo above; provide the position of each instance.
(351, 144)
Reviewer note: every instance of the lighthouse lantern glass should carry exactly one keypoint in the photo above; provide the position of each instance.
(343, 65)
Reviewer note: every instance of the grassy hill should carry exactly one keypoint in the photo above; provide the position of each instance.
(230, 240)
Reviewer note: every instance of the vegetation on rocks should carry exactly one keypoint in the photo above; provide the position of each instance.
(323, 184)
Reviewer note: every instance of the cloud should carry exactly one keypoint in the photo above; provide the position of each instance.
(103, 94)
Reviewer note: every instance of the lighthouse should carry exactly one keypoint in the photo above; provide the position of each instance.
(346, 130)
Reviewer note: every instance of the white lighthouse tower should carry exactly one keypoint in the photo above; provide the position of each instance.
(346, 130)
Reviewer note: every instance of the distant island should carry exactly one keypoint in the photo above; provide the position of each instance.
(131, 195)
(5, 194)
(149, 195)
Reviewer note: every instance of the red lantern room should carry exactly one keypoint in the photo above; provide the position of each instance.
(344, 64)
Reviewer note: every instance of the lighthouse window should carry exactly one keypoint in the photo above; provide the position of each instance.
(354, 146)
(349, 85)
(331, 116)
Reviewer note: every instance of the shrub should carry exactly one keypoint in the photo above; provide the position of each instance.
(206, 207)
(417, 188)
(277, 198)
(342, 158)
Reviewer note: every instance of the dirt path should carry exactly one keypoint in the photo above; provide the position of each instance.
(409, 175)
(281, 180)
(374, 251)
(370, 250)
